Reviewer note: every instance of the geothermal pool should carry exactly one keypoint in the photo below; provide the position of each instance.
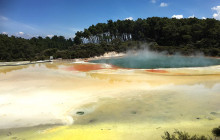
(91, 101)
(151, 60)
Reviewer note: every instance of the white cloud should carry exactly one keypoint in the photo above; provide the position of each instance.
(129, 18)
(3, 18)
(191, 16)
(163, 4)
(153, 1)
(4, 33)
(21, 33)
(216, 15)
(177, 16)
(203, 17)
(75, 29)
(24, 35)
(50, 36)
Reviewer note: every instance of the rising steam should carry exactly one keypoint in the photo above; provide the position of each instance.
(144, 58)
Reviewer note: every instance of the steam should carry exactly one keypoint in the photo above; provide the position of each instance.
(146, 59)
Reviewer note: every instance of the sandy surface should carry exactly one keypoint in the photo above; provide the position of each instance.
(117, 103)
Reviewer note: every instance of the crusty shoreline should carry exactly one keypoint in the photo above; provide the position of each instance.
(104, 56)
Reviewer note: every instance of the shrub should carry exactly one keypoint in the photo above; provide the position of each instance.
(216, 131)
(179, 135)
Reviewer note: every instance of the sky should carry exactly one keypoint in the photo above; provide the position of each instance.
(32, 18)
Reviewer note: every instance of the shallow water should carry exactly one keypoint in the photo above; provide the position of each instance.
(41, 101)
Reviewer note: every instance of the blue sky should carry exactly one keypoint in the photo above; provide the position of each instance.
(27, 18)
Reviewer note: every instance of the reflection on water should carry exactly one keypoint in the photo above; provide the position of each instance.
(103, 101)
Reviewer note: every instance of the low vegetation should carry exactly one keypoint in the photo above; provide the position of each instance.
(216, 132)
(179, 135)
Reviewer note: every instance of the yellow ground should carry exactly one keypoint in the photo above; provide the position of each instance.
(120, 104)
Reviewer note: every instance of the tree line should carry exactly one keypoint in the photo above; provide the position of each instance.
(186, 36)
(19, 49)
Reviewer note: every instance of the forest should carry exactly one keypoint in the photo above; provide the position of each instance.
(187, 36)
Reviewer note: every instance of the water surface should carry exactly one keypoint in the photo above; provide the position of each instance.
(152, 61)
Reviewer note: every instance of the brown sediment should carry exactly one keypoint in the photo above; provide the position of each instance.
(51, 66)
(6, 69)
(113, 67)
(157, 71)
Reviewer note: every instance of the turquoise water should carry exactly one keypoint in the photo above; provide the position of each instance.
(153, 61)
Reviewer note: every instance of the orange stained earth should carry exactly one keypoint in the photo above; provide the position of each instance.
(84, 67)
(157, 71)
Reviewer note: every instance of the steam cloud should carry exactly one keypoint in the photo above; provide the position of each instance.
(146, 59)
